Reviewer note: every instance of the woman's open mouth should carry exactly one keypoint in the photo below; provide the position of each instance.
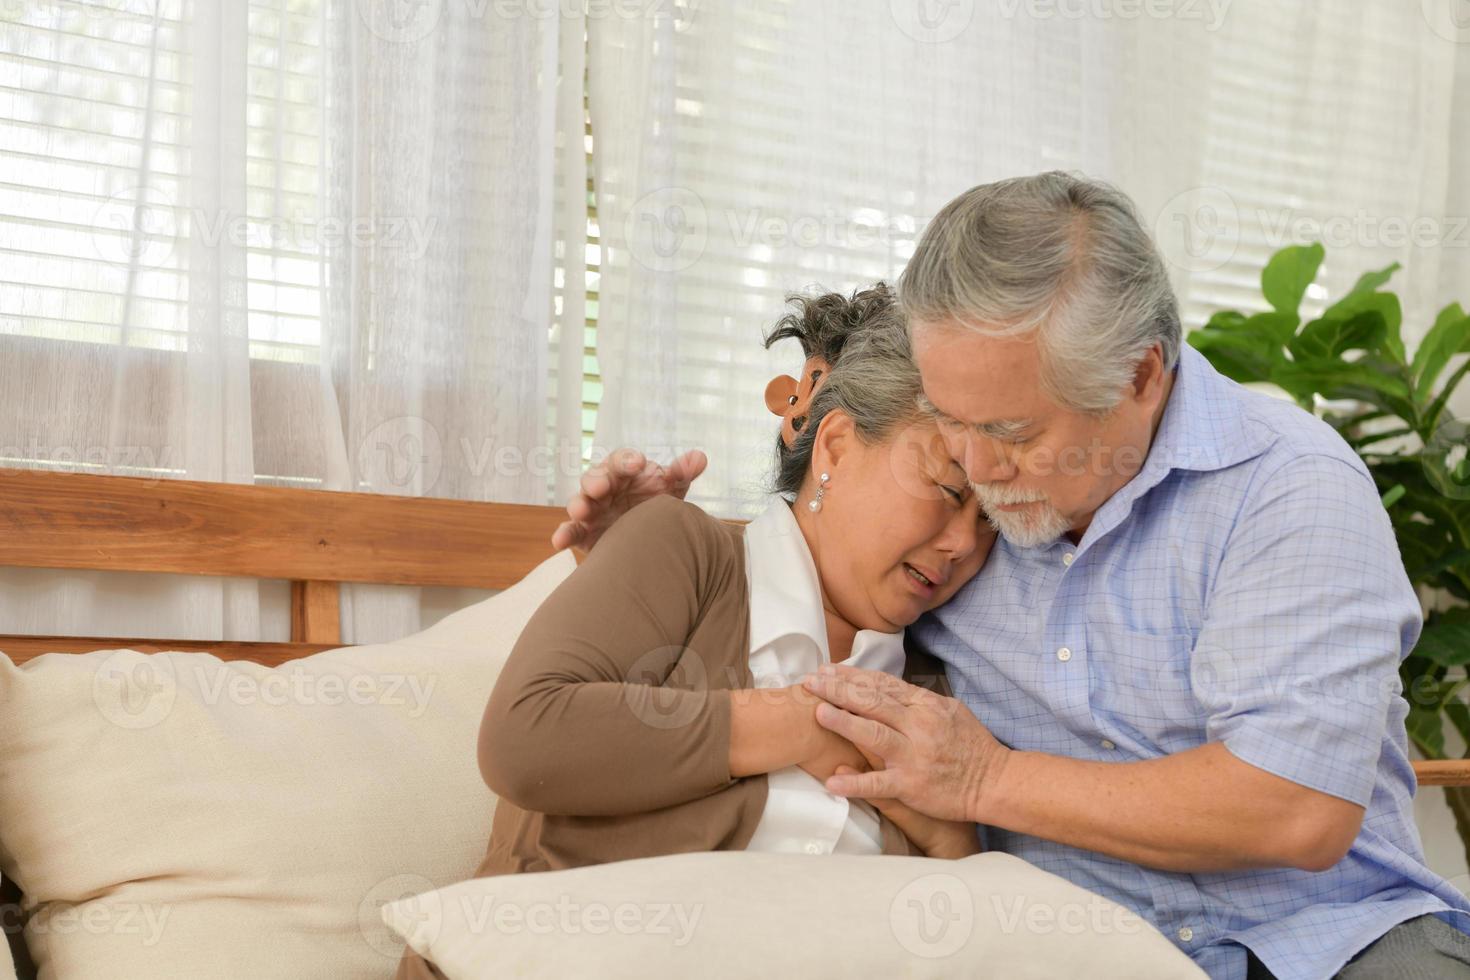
(920, 582)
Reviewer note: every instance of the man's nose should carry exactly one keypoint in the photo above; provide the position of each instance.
(986, 461)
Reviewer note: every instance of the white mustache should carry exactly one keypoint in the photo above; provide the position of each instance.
(990, 494)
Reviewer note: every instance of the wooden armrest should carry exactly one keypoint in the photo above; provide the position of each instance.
(1442, 772)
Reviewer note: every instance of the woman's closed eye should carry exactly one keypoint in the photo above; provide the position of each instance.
(956, 494)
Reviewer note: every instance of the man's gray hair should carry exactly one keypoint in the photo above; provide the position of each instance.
(1053, 253)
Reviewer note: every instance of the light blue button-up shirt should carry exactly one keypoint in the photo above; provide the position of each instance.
(1246, 588)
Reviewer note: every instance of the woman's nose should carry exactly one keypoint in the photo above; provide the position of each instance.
(961, 536)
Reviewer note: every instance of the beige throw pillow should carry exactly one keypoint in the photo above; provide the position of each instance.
(177, 816)
(733, 914)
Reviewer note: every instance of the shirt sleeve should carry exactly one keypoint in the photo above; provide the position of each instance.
(601, 709)
(1309, 615)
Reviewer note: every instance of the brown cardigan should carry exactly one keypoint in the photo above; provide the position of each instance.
(607, 736)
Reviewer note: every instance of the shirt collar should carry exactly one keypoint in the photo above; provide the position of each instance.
(1203, 427)
(786, 594)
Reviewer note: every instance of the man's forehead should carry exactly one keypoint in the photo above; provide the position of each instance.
(980, 379)
(1004, 414)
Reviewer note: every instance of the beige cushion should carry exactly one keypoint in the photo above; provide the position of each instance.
(734, 914)
(175, 815)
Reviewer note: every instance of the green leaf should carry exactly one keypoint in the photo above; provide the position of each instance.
(1237, 357)
(1368, 380)
(1369, 282)
(1334, 337)
(1288, 274)
(1387, 304)
(1447, 644)
(1395, 495)
(1448, 337)
(1426, 728)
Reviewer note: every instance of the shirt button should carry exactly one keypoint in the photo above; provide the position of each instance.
(1108, 744)
(812, 847)
(1064, 654)
(1068, 558)
(1186, 934)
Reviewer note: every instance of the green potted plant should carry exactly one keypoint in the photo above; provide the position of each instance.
(1350, 366)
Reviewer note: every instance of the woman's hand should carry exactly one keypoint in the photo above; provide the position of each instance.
(936, 838)
(831, 752)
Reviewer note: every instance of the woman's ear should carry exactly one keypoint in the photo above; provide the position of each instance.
(835, 438)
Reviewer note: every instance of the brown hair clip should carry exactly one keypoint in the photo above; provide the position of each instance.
(791, 399)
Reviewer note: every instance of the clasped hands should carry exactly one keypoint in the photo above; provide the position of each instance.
(922, 760)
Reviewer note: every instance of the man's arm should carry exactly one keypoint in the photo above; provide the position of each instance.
(1199, 810)
(1295, 671)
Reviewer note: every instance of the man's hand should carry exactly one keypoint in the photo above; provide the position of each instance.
(937, 757)
(936, 838)
(617, 484)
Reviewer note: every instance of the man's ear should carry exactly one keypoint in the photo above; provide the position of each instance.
(1149, 376)
(835, 438)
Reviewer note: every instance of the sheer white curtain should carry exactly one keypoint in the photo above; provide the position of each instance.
(305, 242)
(746, 150)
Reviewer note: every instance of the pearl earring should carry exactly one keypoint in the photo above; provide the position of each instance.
(816, 504)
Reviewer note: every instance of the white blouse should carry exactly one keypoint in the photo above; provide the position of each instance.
(788, 639)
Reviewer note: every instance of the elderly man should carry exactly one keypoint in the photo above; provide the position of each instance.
(1176, 676)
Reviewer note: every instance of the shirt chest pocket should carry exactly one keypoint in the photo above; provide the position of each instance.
(1139, 685)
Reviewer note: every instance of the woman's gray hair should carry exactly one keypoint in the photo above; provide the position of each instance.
(873, 378)
(1053, 253)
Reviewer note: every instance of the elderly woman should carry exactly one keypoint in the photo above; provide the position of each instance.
(653, 704)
